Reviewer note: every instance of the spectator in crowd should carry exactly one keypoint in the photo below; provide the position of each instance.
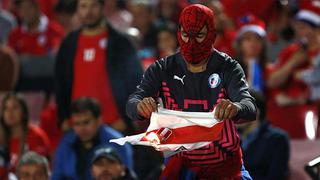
(99, 62)
(265, 149)
(167, 45)
(107, 164)
(280, 30)
(33, 166)
(118, 15)
(66, 15)
(35, 41)
(19, 135)
(224, 27)
(251, 50)
(168, 11)
(7, 23)
(37, 35)
(75, 151)
(289, 96)
(143, 20)
(167, 41)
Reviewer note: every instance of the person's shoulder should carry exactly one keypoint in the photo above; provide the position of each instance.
(109, 132)
(68, 138)
(277, 133)
(224, 59)
(16, 31)
(35, 131)
(55, 28)
(167, 62)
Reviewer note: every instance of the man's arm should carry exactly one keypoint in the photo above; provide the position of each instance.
(238, 92)
(148, 87)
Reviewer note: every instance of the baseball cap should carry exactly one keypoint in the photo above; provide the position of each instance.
(106, 152)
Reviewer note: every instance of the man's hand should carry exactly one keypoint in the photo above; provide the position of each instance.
(225, 110)
(146, 107)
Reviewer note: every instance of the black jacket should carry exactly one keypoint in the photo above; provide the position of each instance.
(124, 71)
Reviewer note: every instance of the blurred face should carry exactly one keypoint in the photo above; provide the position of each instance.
(12, 113)
(28, 12)
(85, 125)
(304, 31)
(90, 12)
(105, 169)
(32, 172)
(141, 16)
(167, 42)
(251, 45)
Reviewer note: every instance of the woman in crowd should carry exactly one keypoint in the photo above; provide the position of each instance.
(19, 135)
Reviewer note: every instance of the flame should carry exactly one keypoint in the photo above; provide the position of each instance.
(153, 138)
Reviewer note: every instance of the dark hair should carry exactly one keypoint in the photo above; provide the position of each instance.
(66, 6)
(24, 119)
(86, 104)
(101, 2)
(260, 102)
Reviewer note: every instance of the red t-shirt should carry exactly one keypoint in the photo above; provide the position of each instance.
(290, 118)
(46, 39)
(91, 76)
(36, 140)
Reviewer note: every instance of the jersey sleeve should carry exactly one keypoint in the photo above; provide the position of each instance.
(238, 91)
(149, 87)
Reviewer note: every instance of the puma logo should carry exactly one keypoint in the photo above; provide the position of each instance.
(179, 79)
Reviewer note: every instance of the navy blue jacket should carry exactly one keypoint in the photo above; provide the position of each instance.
(266, 153)
(64, 165)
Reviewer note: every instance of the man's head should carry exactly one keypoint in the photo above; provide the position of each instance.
(196, 33)
(85, 115)
(28, 11)
(32, 166)
(107, 164)
(307, 24)
(90, 12)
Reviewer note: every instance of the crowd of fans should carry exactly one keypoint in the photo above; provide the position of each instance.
(87, 57)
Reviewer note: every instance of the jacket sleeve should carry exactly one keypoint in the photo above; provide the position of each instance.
(149, 87)
(62, 97)
(57, 172)
(238, 91)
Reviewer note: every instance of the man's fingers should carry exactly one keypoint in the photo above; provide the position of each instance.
(227, 111)
(153, 104)
(148, 106)
(143, 110)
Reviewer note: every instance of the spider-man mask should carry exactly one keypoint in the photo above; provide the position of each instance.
(193, 19)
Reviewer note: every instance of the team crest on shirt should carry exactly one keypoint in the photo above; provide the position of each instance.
(42, 40)
(103, 43)
(214, 80)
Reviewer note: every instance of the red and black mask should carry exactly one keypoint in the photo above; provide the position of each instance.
(193, 19)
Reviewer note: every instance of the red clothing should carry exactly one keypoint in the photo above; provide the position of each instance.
(36, 140)
(290, 118)
(91, 76)
(46, 39)
(48, 123)
(236, 8)
(224, 42)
